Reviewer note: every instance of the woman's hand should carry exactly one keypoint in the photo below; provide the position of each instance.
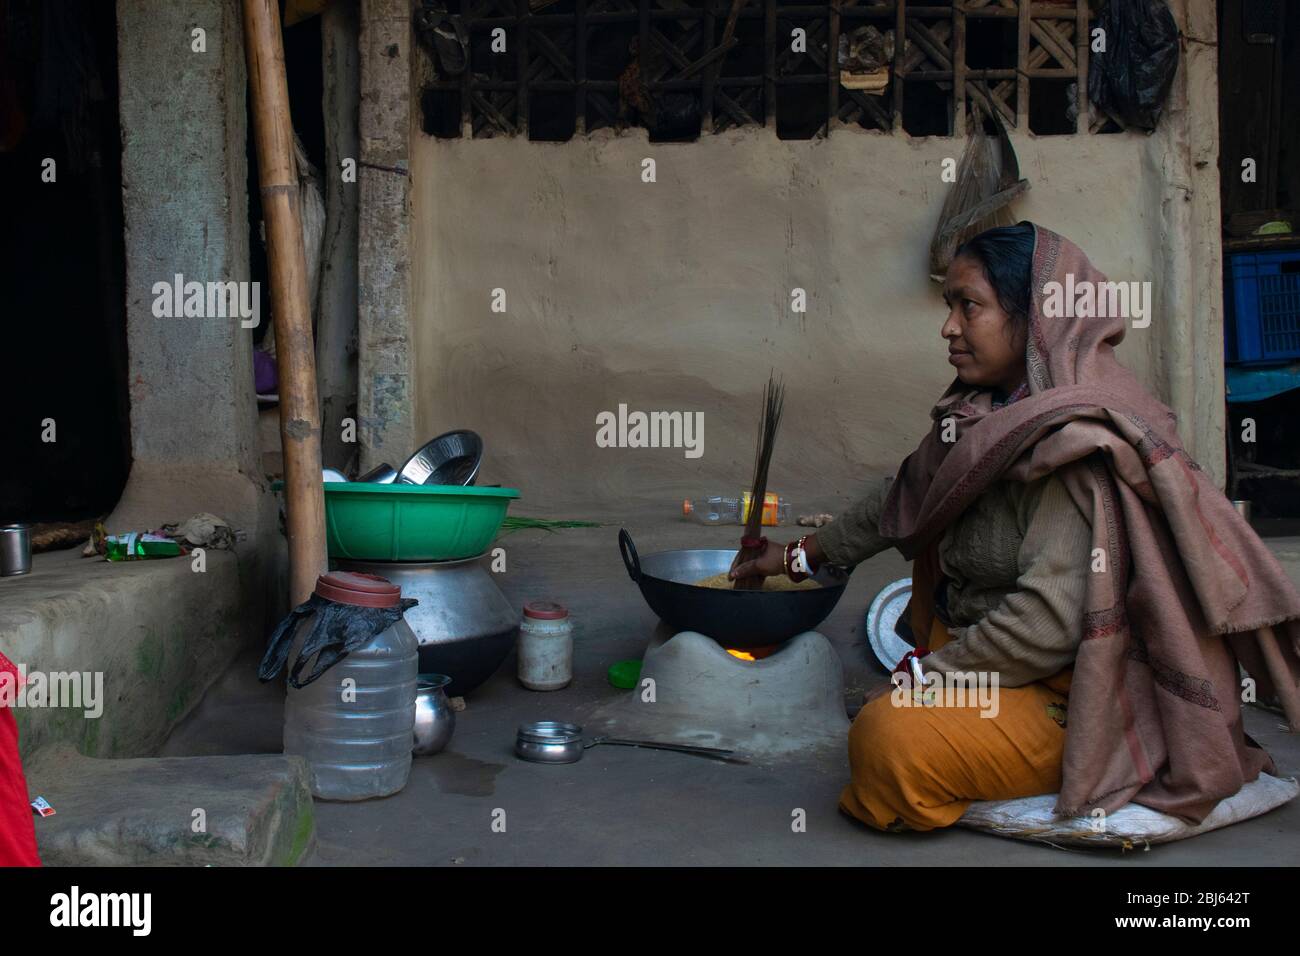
(772, 561)
(768, 564)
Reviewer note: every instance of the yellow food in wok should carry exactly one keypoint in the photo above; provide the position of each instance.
(777, 583)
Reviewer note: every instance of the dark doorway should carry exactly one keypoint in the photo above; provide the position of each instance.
(1259, 175)
(66, 424)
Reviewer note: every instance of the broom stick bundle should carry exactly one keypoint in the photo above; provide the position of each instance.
(773, 403)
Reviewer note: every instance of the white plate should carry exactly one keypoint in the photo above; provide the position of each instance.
(890, 604)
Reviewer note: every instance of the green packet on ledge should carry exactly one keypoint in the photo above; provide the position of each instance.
(139, 545)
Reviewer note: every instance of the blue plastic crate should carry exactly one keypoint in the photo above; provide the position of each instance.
(1263, 305)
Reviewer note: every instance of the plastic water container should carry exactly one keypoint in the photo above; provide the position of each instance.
(355, 723)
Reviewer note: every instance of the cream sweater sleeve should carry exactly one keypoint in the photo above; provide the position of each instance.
(1036, 629)
(854, 535)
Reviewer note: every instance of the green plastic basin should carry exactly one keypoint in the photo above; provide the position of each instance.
(371, 522)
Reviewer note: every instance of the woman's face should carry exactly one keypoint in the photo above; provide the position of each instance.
(983, 344)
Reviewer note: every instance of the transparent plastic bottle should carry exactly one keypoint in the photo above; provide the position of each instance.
(723, 509)
(355, 723)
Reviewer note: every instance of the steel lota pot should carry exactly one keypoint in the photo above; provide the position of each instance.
(434, 718)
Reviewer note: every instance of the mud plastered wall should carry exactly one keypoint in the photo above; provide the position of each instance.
(676, 295)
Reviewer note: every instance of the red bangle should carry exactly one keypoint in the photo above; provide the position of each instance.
(918, 653)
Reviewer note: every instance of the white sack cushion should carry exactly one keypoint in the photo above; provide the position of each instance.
(1031, 818)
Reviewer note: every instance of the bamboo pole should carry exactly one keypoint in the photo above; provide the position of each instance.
(290, 302)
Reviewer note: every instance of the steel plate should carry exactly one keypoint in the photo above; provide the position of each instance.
(890, 604)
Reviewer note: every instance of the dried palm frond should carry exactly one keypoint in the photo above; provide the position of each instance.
(988, 179)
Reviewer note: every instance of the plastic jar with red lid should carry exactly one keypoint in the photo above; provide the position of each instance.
(545, 646)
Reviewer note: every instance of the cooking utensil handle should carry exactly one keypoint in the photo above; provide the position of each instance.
(626, 547)
(730, 756)
(668, 745)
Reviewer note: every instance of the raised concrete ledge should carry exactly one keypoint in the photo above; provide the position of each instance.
(256, 810)
(158, 632)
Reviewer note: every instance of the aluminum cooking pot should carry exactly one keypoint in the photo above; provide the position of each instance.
(735, 619)
(466, 626)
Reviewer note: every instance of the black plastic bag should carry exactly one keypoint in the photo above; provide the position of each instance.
(1132, 77)
(337, 630)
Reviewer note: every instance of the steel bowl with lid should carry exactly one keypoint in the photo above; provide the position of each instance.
(549, 741)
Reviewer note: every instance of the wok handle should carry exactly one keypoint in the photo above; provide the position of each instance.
(630, 558)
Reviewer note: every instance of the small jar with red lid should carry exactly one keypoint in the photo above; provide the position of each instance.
(545, 646)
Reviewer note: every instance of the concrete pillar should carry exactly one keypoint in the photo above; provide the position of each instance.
(1184, 152)
(185, 199)
(386, 386)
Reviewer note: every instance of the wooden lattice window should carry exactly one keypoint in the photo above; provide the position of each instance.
(557, 68)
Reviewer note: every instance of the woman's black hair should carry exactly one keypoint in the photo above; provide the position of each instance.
(1006, 255)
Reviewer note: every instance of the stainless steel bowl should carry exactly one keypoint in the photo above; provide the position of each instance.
(381, 474)
(450, 459)
(549, 741)
(434, 718)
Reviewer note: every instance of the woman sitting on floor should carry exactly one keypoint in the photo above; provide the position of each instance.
(1064, 542)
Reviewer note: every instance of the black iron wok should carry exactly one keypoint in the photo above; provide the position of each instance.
(739, 619)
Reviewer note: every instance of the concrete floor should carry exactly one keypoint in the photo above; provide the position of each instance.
(640, 807)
